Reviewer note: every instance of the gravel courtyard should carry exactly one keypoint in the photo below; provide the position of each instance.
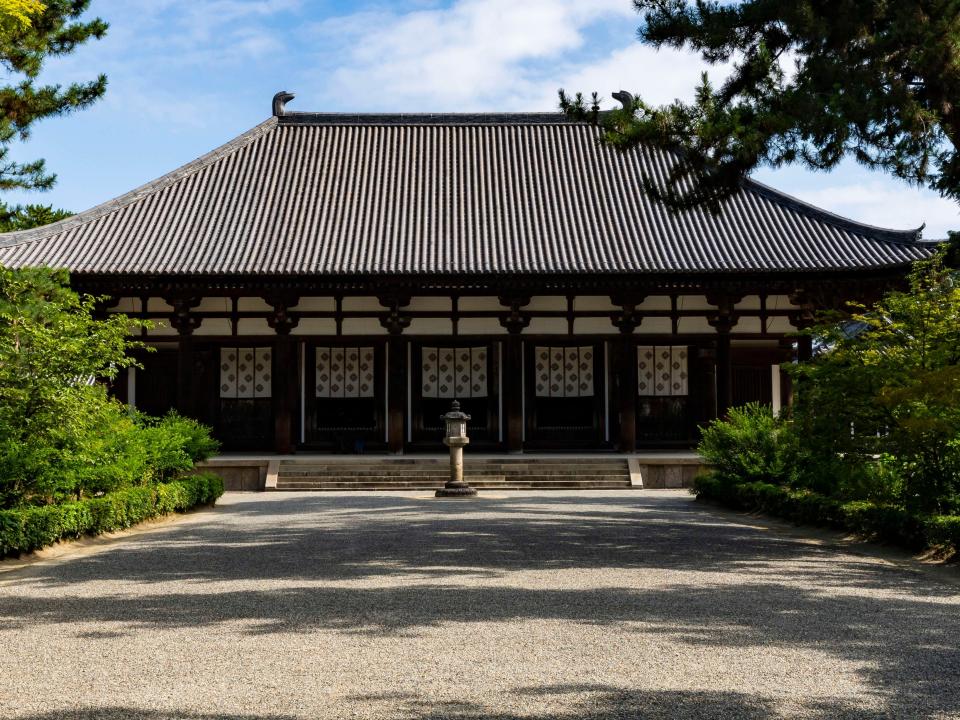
(569, 605)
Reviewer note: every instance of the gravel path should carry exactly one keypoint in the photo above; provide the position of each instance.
(566, 605)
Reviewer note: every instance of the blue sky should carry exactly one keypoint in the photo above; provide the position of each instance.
(188, 75)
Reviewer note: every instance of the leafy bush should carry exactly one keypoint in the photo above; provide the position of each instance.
(887, 523)
(31, 528)
(174, 443)
(878, 411)
(61, 436)
(750, 445)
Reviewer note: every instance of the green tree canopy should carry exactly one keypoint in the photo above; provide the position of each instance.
(26, 41)
(24, 217)
(887, 385)
(812, 82)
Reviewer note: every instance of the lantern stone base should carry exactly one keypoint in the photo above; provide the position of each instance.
(456, 489)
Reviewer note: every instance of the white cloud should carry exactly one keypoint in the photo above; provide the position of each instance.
(658, 76)
(473, 55)
(887, 203)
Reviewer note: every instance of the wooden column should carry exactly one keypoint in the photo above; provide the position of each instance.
(184, 322)
(514, 321)
(625, 367)
(723, 321)
(803, 319)
(395, 323)
(285, 375)
(724, 372)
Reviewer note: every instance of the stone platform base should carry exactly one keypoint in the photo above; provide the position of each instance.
(307, 471)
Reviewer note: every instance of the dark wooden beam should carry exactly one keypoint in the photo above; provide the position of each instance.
(184, 322)
(723, 321)
(396, 392)
(285, 375)
(514, 321)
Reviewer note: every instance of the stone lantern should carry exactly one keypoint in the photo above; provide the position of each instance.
(455, 438)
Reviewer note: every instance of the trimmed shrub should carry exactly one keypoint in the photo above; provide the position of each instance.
(750, 445)
(31, 528)
(886, 523)
(944, 530)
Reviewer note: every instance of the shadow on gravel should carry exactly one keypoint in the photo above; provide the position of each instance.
(591, 702)
(126, 713)
(900, 627)
(318, 537)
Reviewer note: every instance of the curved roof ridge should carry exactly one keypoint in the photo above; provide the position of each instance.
(20, 237)
(902, 237)
(292, 117)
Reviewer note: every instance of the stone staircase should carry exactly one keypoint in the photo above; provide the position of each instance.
(412, 473)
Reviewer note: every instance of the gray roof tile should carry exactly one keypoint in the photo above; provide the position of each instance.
(316, 194)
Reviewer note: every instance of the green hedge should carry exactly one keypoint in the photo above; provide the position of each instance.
(31, 528)
(880, 522)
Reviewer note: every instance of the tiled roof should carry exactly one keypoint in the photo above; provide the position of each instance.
(318, 194)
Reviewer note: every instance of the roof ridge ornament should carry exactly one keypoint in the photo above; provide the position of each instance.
(625, 99)
(280, 101)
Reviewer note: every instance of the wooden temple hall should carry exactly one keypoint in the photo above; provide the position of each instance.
(329, 283)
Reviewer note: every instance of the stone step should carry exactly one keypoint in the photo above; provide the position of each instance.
(297, 467)
(489, 477)
(427, 474)
(443, 472)
(490, 480)
(435, 486)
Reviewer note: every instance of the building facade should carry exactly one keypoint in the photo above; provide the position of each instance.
(330, 283)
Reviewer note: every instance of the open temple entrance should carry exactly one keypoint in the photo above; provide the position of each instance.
(244, 408)
(343, 397)
(565, 405)
(442, 372)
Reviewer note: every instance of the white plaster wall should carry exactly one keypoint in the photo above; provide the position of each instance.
(253, 304)
(750, 302)
(593, 326)
(779, 325)
(547, 302)
(748, 325)
(480, 326)
(694, 325)
(214, 326)
(155, 304)
(363, 326)
(547, 326)
(316, 304)
(780, 302)
(593, 302)
(655, 302)
(655, 325)
(315, 326)
(362, 304)
(254, 326)
(430, 326)
(214, 304)
(693, 302)
(127, 305)
(427, 304)
(480, 303)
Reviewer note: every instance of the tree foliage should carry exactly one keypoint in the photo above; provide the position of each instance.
(24, 217)
(61, 435)
(55, 31)
(880, 406)
(876, 414)
(812, 82)
(18, 14)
